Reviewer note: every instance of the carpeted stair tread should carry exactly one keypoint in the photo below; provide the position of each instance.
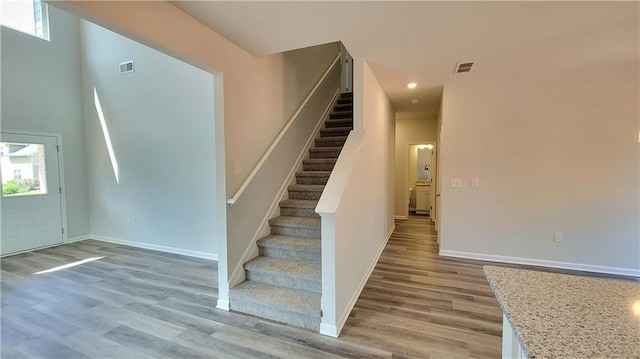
(286, 268)
(306, 188)
(297, 222)
(325, 149)
(291, 248)
(330, 141)
(326, 164)
(289, 242)
(320, 160)
(291, 300)
(335, 131)
(299, 203)
(340, 122)
(313, 174)
(341, 114)
(299, 207)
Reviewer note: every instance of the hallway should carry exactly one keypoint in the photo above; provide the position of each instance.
(418, 304)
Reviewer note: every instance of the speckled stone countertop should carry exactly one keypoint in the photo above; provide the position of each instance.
(564, 316)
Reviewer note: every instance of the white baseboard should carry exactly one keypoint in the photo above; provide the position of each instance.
(77, 239)
(542, 263)
(156, 247)
(401, 217)
(330, 329)
(223, 304)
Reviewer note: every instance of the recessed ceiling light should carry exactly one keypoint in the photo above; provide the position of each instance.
(414, 101)
(412, 85)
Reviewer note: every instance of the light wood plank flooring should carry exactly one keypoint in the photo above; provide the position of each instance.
(137, 303)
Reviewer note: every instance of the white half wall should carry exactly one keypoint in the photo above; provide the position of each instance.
(554, 153)
(357, 203)
(42, 92)
(160, 192)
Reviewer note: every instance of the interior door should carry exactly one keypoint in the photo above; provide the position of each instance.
(31, 199)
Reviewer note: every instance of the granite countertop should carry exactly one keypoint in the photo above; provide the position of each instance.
(566, 316)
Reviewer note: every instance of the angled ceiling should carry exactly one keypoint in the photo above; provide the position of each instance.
(422, 42)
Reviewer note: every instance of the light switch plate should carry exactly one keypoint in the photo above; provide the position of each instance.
(456, 183)
(475, 183)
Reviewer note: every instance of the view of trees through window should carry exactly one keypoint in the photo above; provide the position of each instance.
(23, 169)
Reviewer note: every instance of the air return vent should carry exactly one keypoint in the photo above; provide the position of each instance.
(126, 67)
(463, 67)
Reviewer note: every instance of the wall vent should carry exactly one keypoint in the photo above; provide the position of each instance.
(126, 67)
(463, 67)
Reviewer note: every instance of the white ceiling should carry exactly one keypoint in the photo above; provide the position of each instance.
(422, 41)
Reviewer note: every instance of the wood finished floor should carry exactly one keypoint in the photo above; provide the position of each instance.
(137, 303)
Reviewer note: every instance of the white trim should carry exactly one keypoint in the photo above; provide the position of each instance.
(345, 315)
(238, 275)
(266, 155)
(401, 217)
(543, 263)
(77, 239)
(223, 304)
(155, 247)
(329, 330)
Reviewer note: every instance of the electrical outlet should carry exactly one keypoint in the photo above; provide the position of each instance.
(475, 183)
(557, 237)
(238, 167)
(456, 183)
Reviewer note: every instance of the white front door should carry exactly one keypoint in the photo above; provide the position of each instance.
(31, 200)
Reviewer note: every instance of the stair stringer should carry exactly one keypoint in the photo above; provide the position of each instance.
(252, 251)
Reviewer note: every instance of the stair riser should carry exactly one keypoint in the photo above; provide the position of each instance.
(331, 132)
(313, 233)
(298, 212)
(345, 101)
(318, 166)
(341, 107)
(282, 316)
(304, 194)
(340, 115)
(291, 254)
(282, 280)
(324, 154)
(312, 180)
(338, 123)
(329, 142)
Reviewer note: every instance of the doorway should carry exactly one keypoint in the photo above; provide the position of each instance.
(421, 179)
(31, 192)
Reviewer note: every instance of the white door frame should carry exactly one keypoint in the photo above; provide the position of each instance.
(63, 195)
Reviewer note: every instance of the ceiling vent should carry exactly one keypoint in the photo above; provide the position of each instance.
(126, 67)
(463, 67)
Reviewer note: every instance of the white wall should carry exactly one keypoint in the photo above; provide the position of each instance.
(410, 129)
(254, 95)
(41, 92)
(553, 152)
(161, 125)
(357, 204)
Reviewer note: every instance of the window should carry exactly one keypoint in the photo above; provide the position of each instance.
(28, 16)
(23, 169)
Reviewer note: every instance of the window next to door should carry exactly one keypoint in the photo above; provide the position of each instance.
(28, 16)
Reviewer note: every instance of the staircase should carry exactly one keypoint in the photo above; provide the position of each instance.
(284, 283)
